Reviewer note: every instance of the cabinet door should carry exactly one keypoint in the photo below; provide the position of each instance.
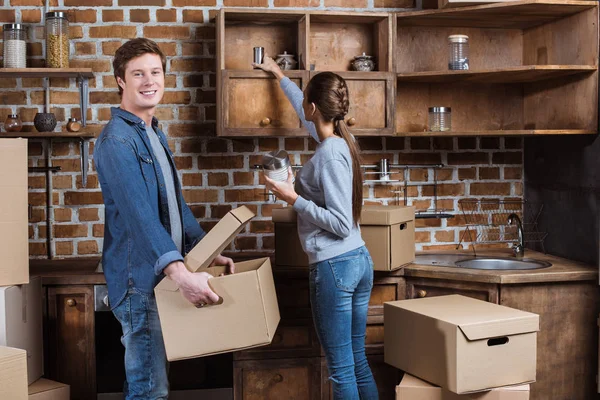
(290, 379)
(70, 345)
(371, 102)
(253, 104)
(418, 288)
(385, 288)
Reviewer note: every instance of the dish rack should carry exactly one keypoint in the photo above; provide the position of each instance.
(487, 221)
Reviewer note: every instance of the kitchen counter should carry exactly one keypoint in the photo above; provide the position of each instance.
(561, 270)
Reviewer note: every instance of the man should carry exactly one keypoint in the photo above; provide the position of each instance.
(148, 225)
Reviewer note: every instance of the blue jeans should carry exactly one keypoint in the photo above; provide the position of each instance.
(145, 358)
(340, 289)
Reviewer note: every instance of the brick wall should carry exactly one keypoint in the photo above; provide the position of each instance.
(216, 173)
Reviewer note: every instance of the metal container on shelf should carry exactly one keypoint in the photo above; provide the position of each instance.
(458, 52)
(15, 46)
(57, 40)
(276, 164)
(440, 119)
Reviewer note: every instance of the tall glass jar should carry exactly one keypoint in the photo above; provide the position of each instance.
(440, 119)
(15, 46)
(458, 52)
(57, 40)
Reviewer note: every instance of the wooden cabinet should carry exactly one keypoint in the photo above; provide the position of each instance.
(250, 102)
(70, 345)
(419, 288)
(290, 379)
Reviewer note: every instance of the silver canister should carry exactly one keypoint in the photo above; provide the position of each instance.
(276, 164)
(259, 53)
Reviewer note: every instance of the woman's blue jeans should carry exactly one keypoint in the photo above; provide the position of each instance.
(340, 289)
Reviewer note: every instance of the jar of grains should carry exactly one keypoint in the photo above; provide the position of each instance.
(15, 47)
(57, 40)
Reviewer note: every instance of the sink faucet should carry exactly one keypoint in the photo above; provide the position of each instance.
(519, 248)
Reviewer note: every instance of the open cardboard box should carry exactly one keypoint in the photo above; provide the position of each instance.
(45, 389)
(413, 388)
(461, 344)
(247, 314)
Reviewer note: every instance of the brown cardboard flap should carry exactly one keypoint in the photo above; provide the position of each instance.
(386, 215)
(213, 243)
(500, 328)
(285, 214)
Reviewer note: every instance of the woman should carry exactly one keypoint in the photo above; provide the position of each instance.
(328, 199)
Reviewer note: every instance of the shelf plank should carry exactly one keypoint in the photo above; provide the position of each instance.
(522, 14)
(525, 132)
(520, 74)
(48, 135)
(46, 73)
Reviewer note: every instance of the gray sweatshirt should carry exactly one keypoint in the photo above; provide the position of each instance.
(324, 186)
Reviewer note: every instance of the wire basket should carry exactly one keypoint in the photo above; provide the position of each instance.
(486, 221)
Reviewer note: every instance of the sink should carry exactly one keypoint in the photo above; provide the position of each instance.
(502, 263)
(466, 261)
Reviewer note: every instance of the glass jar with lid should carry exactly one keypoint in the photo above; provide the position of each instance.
(15, 46)
(57, 40)
(458, 52)
(440, 119)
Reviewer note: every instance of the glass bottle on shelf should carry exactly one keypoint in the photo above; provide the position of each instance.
(15, 46)
(57, 40)
(13, 123)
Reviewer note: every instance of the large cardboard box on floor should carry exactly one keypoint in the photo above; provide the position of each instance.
(13, 373)
(461, 344)
(413, 388)
(288, 249)
(45, 389)
(14, 235)
(21, 323)
(247, 315)
(389, 234)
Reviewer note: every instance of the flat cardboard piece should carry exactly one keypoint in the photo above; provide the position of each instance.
(45, 389)
(14, 234)
(21, 323)
(426, 338)
(13, 373)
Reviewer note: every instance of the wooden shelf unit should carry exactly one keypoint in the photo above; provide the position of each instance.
(49, 135)
(250, 102)
(525, 132)
(517, 50)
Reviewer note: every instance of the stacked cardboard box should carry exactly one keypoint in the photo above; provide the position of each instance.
(462, 345)
(44, 389)
(247, 314)
(13, 373)
(388, 232)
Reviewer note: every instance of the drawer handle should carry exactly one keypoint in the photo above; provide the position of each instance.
(351, 121)
(71, 302)
(265, 121)
(403, 226)
(278, 378)
(422, 293)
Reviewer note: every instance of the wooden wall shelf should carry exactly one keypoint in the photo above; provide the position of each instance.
(526, 132)
(46, 73)
(522, 74)
(522, 14)
(49, 135)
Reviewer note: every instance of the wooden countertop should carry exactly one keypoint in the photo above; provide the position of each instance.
(81, 271)
(561, 270)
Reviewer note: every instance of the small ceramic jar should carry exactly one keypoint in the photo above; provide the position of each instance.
(13, 123)
(286, 61)
(73, 125)
(44, 122)
(363, 63)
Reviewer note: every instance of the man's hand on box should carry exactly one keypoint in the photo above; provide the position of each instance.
(224, 261)
(193, 286)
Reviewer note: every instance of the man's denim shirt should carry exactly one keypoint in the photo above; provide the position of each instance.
(137, 237)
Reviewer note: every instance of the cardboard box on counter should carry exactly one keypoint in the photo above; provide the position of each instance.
(389, 234)
(246, 317)
(14, 235)
(21, 323)
(45, 389)
(461, 344)
(13, 373)
(288, 250)
(413, 388)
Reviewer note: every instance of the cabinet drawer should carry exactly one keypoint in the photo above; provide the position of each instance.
(292, 339)
(384, 289)
(254, 104)
(290, 379)
(418, 288)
